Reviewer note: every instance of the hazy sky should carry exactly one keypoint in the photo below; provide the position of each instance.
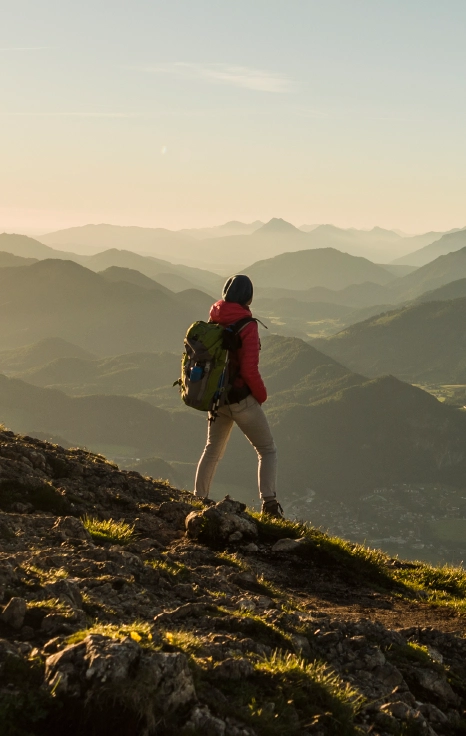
(183, 113)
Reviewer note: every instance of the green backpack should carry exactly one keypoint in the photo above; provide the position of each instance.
(205, 366)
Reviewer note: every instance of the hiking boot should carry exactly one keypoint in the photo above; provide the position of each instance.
(271, 507)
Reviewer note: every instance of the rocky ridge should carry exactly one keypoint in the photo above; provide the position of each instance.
(129, 608)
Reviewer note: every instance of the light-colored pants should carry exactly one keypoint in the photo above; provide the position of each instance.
(250, 418)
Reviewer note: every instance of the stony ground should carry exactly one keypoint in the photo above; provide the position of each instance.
(127, 608)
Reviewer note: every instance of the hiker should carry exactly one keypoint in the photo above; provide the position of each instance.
(244, 400)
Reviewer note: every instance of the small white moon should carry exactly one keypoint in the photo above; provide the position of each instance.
(163, 150)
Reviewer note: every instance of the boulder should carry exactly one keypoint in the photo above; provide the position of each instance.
(14, 613)
(99, 668)
(70, 526)
(202, 721)
(223, 523)
(436, 683)
(234, 669)
(290, 545)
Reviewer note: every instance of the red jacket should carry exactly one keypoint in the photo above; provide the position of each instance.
(226, 313)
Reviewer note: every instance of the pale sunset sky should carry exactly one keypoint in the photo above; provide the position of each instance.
(189, 113)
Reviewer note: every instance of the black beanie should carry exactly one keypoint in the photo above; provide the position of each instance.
(238, 289)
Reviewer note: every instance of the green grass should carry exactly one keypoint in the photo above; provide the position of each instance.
(171, 569)
(360, 561)
(182, 640)
(109, 530)
(285, 696)
(256, 626)
(139, 631)
(231, 560)
(54, 605)
(411, 653)
(445, 585)
(46, 576)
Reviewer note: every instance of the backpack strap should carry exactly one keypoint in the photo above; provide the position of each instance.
(241, 324)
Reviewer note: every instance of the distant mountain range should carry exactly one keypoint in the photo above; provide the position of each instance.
(8, 259)
(234, 227)
(444, 269)
(25, 247)
(175, 277)
(447, 243)
(55, 298)
(452, 290)
(321, 276)
(324, 267)
(237, 244)
(423, 343)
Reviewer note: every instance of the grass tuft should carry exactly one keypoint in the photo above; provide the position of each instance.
(287, 696)
(139, 631)
(170, 569)
(46, 576)
(109, 530)
(52, 604)
(184, 641)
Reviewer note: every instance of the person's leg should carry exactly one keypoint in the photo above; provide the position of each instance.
(217, 437)
(250, 418)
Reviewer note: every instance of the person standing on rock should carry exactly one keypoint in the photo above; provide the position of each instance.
(245, 399)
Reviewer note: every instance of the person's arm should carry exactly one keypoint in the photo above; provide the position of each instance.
(248, 356)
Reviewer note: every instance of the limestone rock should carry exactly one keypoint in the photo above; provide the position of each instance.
(399, 710)
(250, 548)
(202, 721)
(301, 645)
(70, 526)
(289, 545)
(14, 613)
(234, 669)
(437, 684)
(225, 522)
(149, 683)
(433, 714)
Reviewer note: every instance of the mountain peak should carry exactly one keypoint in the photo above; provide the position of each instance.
(277, 225)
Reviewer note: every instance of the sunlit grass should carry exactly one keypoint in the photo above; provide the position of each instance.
(46, 576)
(183, 640)
(171, 569)
(444, 585)
(109, 530)
(287, 696)
(54, 605)
(139, 631)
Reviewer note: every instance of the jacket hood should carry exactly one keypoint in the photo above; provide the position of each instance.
(226, 313)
